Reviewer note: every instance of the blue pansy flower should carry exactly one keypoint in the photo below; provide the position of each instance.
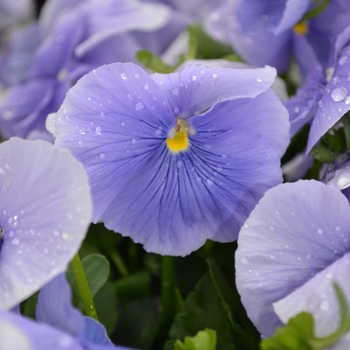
(175, 159)
(270, 31)
(45, 210)
(55, 309)
(59, 325)
(78, 39)
(325, 97)
(293, 247)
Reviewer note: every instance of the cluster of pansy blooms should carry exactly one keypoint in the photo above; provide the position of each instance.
(175, 156)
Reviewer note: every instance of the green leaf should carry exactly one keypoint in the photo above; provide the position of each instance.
(207, 47)
(322, 153)
(316, 11)
(96, 268)
(153, 62)
(208, 307)
(137, 323)
(298, 334)
(204, 340)
(106, 304)
(30, 306)
(346, 125)
(134, 286)
(294, 336)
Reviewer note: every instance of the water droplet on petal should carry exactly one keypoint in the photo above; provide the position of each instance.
(343, 60)
(339, 94)
(146, 86)
(324, 305)
(102, 155)
(209, 182)
(320, 231)
(123, 76)
(175, 91)
(15, 241)
(136, 75)
(139, 106)
(98, 130)
(130, 96)
(244, 260)
(258, 79)
(133, 140)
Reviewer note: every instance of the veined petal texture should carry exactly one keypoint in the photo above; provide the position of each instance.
(291, 249)
(45, 212)
(19, 332)
(118, 122)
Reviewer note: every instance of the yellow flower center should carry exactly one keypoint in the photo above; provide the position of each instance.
(177, 140)
(301, 28)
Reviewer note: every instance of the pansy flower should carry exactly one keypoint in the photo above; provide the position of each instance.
(54, 308)
(293, 247)
(175, 159)
(269, 32)
(83, 37)
(45, 210)
(325, 97)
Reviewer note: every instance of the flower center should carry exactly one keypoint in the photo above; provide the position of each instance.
(177, 140)
(301, 28)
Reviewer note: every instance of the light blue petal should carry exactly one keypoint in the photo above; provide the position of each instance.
(17, 332)
(196, 88)
(175, 202)
(112, 120)
(295, 232)
(45, 212)
(55, 308)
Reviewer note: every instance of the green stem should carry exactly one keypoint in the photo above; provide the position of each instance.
(83, 286)
(169, 301)
(346, 124)
(118, 262)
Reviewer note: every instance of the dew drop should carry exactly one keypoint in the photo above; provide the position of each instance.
(136, 75)
(179, 164)
(343, 60)
(15, 241)
(320, 231)
(209, 182)
(146, 86)
(123, 76)
(339, 94)
(215, 75)
(258, 79)
(130, 96)
(176, 110)
(324, 305)
(102, 155)
(308, 256)
(98, 130)
(133, 140)
(244, 260)
(175, 91)
(139, 106)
